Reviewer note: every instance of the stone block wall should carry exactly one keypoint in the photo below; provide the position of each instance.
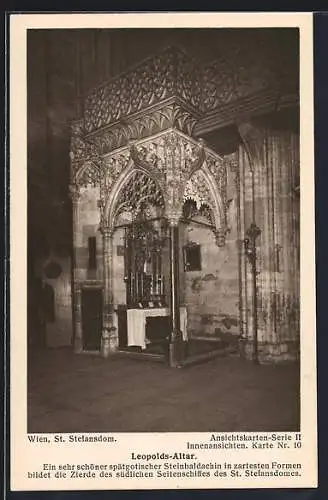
(211, 294)
(88, 226)
(57, 331)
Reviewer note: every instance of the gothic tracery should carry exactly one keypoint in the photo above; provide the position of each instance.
(138, 193)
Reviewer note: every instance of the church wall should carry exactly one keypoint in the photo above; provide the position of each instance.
(59, 332)
(54, 322)
(88, 226)
(211, 294)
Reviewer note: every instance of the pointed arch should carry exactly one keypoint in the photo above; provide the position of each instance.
(89, 172)
(204, 189)
(125, 176)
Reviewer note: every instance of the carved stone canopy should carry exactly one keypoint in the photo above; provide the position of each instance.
(171, 166)
(164, 170)
(168, 159)
(135, 141)
(236, 73)
(168, 74)
(171, 90)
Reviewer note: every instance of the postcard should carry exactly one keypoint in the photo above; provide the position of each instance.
(162, 281)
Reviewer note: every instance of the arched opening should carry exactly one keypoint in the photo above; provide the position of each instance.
(140, 272)
(199, 275)
(138, 220)
(206, 289)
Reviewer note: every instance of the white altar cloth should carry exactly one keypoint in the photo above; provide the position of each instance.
(136, 323)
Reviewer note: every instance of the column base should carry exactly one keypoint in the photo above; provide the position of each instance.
(177, 350)
(109, 341)
(269, 352)
(78, 346)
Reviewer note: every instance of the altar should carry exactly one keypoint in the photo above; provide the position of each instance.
(136, 324)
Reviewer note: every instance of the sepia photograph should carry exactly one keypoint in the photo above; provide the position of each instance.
(162, 252)
(163, 230)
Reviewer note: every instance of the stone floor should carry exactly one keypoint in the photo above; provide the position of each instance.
(86, 393)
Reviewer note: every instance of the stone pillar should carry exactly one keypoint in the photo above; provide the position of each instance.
(269, 168)
(109, 339)
(240, 248)
(176, 347)
(77, 299)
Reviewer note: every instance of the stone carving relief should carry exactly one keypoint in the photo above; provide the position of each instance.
(138, 194)
(90, 176)
(113, 166)
(208, 212)
(152, 81)
(170, 74)
(172, 158)
(191, 210)
(86, 162)
(183, 157)
(171, 115)
(174, 76)
(151, 156)
(197, 190)
(188, 81)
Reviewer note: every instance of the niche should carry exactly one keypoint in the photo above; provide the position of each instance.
(192, 257)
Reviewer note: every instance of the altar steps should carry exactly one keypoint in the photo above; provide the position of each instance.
(198, 351)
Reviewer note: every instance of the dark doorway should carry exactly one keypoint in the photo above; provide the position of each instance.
(122, 326)
(91, 318)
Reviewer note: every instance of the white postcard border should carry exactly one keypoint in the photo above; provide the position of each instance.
(28, 456)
